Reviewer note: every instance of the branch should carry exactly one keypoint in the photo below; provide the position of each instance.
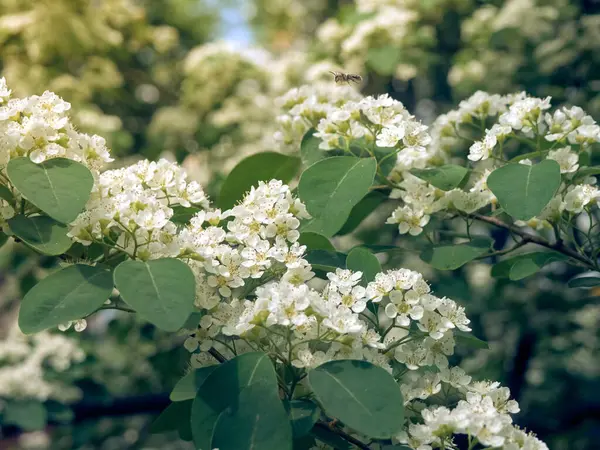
(558, 246)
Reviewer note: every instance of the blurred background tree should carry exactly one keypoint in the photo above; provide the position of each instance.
(155, 78)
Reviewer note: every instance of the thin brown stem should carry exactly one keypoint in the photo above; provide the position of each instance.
(527, 238)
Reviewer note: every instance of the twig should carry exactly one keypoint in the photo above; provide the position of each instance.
(343, 435)
(217, 355)
(558, 246)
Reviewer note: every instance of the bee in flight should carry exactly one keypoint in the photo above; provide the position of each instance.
(341, 77)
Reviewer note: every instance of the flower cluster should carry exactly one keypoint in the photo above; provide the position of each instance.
(483, 415)
(380, 24)
(255, 289)
(29, 358)
(132, 208)
(518, 120)
(257, 236)
(305, 106)
(343, 119)
(308, 326)
(39, 128)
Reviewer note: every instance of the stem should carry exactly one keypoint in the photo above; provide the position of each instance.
(503, 252)
(343, 435)
(527, 238)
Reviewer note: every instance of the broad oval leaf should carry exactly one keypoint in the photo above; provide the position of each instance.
(326, 260)
(222, 388)
(524, 191)
(176, 416)
(522, 266)
(363, 396)
(302, 415)
(42, 233)
(257, 422)
(450, 257)
(60, 187)
(162, 291)
(260, 167)
(315, 241)
(446, 177)
(361, 259)
(585, 281)
(69, 294)
(309, 149)
(330, 189)
(188, 385)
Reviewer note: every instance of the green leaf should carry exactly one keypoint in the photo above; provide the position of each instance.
(69, 294)
(326, 260)
(3, 238)
(315, 241)
(522, 266)
(469, 340)
(361, 259)
(222, 389)
(257, 422)
(60, 187)
(188, 385)
(523, 191)
(450, 257)
(584, 281)
(303, 415)
(182, 215)
(330, 189)
(29, 415)
(363, 396)
(445, 178)
(6, 194)
(309, 148)
(384, 60)
(260, 167)
(363, 208)
(176, 416)
(162, 291)
(42, 233)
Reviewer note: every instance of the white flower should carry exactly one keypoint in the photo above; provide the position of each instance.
(578, 197)
(455, 376)
(389, 136)
(566, 159)
(403, 309)
(434, 324)
(409, 220)
(4, 91)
